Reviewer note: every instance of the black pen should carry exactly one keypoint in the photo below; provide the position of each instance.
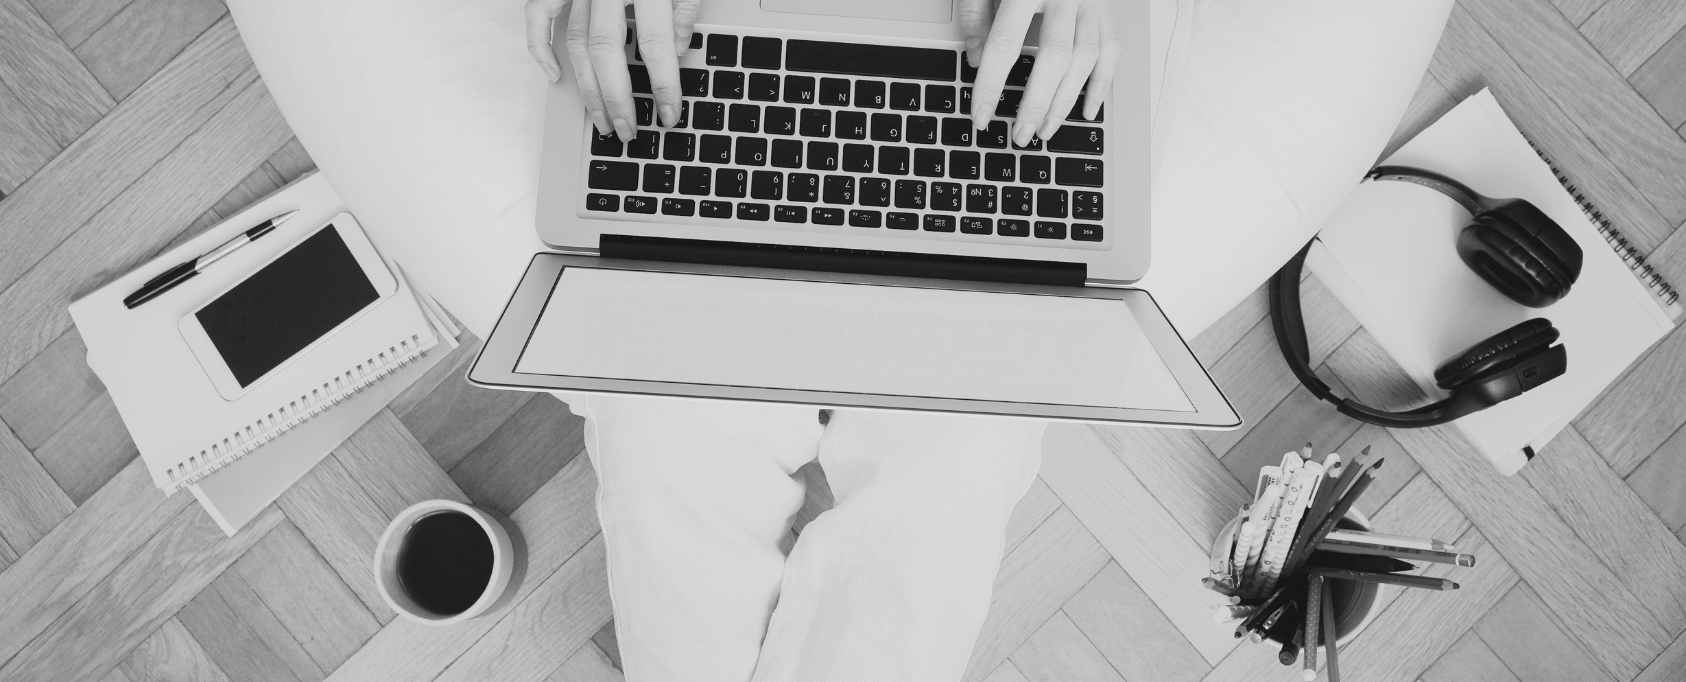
(181, 273)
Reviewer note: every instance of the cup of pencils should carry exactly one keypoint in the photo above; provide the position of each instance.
(1300, 568)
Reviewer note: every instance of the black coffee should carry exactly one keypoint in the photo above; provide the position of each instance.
(445, 562)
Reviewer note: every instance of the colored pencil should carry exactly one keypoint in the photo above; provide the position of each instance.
(1338, 512)
(1424, 582)
(1405, 553)
(1330, 636)
(1358, 562)
(1313, 614)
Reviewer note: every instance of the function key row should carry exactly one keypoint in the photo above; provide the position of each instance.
(822, 215)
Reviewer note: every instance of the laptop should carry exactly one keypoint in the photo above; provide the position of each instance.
(824, 227)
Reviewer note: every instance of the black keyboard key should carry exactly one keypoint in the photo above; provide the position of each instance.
(887, 127)
(834, 92)
(880, 61)
(904, 96)
(722, 50)
(1086, 206)
(693, 82)
(709, 116)
(1008, 105)
(822, 156)
(1019, 75)
(893, 160)
(869, 94)
(1008, 227)
(731, 182)
(857, 158)
(1037, 170)
(602, 202)
(696, 41)
(980, 199)
(851, 125)
(827, 216)
(715, 149)
(957, 132)
(803, 187)
(964, 165)
(728, 85)
(945, 196)
(764, 87)
(968, 73)
(638, 204)
(1084, 232)
(922, 130)
(658, 178)
(640, 78)
(939, 99)
(716, 209)
(939, 223)
(999, 167)
(816, 123)
(1050, 203)
(1078, 140)
(875, 192)
(780, 121)
(757, 212)
(684, 114)
(679, 146)
(606, 145)
(1079, 172)
(787, 153)
(799, 89)
(910, 194)
(762, 53)
(1015, 200)
(752, 151)
(684, 207)
(695, 181)
(861, 218)
(929, 162)
(901, 221)
(994, 136)
(839, 189)
(1077, 113)
(1049, 230)
(744, 118)
(645, 110)
(766, 185)
(1034, 146)
(966, 101)
(976, 225)
(613, 175)
(790, 214)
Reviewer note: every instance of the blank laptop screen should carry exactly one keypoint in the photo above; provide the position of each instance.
(849, 338)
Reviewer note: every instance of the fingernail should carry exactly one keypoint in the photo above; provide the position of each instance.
(552, 72)
(1021, 137)
(622, 129)
(1049, 128)
(670, 118)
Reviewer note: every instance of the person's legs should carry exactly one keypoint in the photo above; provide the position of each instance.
(894, 581)
(694, 498)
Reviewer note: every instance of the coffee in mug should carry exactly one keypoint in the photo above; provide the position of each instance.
(443, 562)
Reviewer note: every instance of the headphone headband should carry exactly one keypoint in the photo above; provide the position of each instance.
(1459, 192)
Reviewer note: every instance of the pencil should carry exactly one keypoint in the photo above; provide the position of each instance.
(1358, 562)
(1424, 582)
(1406, 553)
(1375, 538)
(1330, 636)
(1337, 513)
(1214, 585)
(1321, 503)
(1313, 614)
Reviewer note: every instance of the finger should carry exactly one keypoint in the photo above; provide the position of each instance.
(541, 19)
(655, 42)
(1085, 52)
(1001, 49)
(975, 16)
(684, 24)
(579, 30)
(1100, 83)
(605, 42)
(1053, 59)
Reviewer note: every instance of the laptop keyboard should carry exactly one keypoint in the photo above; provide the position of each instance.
(827, 135)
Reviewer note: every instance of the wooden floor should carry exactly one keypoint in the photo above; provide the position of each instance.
(128, 124)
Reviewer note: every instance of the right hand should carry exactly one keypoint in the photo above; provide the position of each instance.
(596, 48)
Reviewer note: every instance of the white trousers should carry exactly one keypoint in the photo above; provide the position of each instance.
(892, 583)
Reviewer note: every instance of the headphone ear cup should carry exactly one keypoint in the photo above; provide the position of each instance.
(1498, 352)
(1530, 264)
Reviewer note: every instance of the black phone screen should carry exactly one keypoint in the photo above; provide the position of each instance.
(289, 304)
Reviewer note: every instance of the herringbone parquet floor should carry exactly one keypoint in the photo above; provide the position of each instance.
(128, 124)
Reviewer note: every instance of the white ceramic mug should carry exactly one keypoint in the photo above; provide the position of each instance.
(392, 543)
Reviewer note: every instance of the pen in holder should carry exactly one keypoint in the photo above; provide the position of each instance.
(1354, 601)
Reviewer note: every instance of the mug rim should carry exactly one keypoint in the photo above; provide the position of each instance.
(386, 561)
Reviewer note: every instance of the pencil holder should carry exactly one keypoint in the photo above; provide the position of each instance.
(1354, 602)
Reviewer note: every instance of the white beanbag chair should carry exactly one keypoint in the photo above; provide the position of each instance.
(425, 115)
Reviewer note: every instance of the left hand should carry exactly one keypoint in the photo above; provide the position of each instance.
(1077, 45)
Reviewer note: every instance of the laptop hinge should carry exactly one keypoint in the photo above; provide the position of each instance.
(853, 261)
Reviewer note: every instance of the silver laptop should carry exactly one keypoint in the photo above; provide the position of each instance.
(824, 227)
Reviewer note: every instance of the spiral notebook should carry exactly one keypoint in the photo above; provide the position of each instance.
(1388, 254)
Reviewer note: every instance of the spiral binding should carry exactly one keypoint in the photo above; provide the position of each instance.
(332, 392)
(1629, 253)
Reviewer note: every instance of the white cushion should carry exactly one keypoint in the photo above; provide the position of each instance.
(425, 115)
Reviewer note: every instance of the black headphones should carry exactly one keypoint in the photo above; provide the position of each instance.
(1513, 246)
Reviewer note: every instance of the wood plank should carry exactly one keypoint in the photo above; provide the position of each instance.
(1141, 534)
(1299, 419)
(529, 448)
(1604, 615)
(1431, 101)
(75, 20)
(303, 592)
(80, 553)
(31, 504)
(451, 369)
(1469, 59)
(48, 391)
(1660, 479)
(142, 38)
(1642, 409)
(1658, 80)
(1669, 259)
(588, 664)
(7, 556)
(1131, 632)
(89, 450)
(607, 643)
(1422, 509)
(1400, 468)
(41, 70)
(1006, 673)
(1050, 566)
(291, 161)
(1211, 344)
(543, 630)
(344, 525)
(1184, 476)
(1522, 634)
(240, 633)
(1615, 523)
(144, 591)
(1058, 651)
(1031, 511)
(1670, 666)
(257, 185)
(25, 144)
(1627, 32)
(1577, 11)
(455, 417)
(393, 468)
(556, 522)
(1470, 660)
(171, 654)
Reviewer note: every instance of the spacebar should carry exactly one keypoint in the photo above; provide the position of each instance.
(883, 61)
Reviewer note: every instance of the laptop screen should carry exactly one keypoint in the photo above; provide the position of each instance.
(849, 338)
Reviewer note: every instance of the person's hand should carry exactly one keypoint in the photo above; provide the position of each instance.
(1077, 45)
(596, 47)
